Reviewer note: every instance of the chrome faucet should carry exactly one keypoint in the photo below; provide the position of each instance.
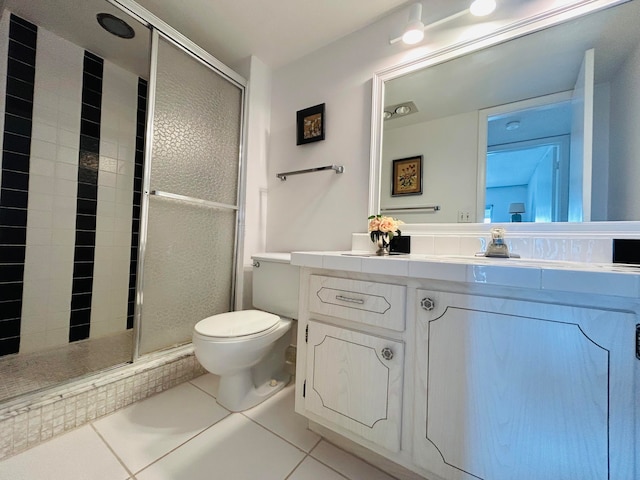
(497, 246)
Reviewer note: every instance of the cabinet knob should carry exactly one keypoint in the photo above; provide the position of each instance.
(427, 303)
(387, 353)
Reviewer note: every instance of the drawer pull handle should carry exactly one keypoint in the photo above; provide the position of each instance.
(428, 304)
(342, 298)
(387, 353)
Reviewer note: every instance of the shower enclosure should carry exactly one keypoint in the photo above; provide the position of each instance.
(121, 187)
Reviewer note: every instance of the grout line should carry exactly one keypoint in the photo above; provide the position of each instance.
(112, 451)
(296, 467)
(183, 443)
(350, 454)
(203, 390)
(272, 432)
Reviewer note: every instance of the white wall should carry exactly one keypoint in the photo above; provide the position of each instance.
(319, 211)
(502, 197)
(254, 228)
(624, 194)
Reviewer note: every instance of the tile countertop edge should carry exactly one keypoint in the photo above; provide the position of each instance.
(585, 278)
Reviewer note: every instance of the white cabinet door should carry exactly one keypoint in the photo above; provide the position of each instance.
(354, 380)
(510, 389)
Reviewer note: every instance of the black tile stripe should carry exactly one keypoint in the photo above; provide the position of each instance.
(86, 203)
(137, 196)
(16, 151)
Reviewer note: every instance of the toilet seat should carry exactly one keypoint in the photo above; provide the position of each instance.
(244, 323)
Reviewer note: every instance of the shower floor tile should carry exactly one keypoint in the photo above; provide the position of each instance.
(183, 433)
(29, 372)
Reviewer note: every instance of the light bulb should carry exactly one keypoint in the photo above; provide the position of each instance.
(414, 33)
(403, 110)
(480, 8)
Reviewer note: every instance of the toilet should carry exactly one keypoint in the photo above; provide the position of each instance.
(239, 346)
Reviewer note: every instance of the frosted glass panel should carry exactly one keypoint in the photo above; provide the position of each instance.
(196, 129)
(188, 264)
(189, 258)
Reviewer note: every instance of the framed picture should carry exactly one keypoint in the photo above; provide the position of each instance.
(310, 123)
(406, 177)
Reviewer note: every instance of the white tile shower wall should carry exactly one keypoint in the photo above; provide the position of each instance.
(115, 201)
(53, 189)
(25, 426)
(52, 193)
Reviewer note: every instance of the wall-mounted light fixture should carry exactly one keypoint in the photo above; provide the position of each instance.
(414, 31)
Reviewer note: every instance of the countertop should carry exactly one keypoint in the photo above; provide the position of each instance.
(591, 278)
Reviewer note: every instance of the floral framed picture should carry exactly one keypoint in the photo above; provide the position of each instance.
(310, 123)
(406, 177)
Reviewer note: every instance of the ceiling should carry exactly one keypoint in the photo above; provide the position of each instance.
(277, 32)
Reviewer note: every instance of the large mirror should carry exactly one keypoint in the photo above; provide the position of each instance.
(540, 128)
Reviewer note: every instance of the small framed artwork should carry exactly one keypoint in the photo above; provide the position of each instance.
(310, 122)
(406, 176)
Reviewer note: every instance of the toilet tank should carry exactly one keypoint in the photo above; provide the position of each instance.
(275, 284)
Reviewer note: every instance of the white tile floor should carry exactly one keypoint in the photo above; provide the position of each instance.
(184, 434)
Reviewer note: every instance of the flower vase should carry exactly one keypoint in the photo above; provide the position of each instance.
(383, 244)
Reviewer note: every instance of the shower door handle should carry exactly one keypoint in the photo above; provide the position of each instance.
(193, 200)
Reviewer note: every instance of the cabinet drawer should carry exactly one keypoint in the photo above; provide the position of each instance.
(371, 303)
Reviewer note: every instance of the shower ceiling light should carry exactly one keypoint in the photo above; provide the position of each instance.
(115, 26)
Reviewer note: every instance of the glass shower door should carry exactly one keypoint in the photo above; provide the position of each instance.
(189, 255)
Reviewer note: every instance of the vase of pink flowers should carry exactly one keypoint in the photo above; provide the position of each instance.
(381, 230)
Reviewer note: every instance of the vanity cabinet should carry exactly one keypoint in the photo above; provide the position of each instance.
(513, 389)
(354, 381)
(456, 381)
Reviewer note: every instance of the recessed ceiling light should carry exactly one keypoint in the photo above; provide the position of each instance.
(114, 25)
(403, 110)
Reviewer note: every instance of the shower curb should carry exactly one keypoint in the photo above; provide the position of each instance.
(35, 418)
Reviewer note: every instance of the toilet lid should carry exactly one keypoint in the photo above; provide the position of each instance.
(236, 324)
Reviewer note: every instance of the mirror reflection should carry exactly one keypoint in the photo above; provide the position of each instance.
(536, 129)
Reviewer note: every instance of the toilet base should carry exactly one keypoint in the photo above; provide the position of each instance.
(237, 392)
